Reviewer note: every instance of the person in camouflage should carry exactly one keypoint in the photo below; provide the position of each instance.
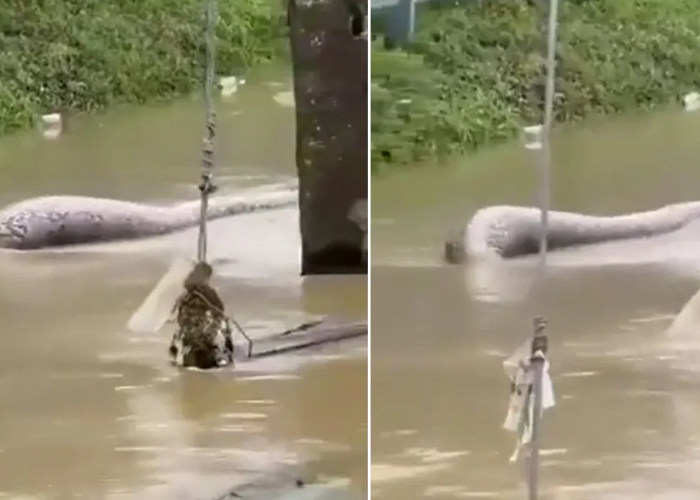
(203, 338)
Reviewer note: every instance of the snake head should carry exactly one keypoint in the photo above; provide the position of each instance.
(8, 239)
(454, 251)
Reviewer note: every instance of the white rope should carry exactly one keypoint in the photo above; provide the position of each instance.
(206, 187)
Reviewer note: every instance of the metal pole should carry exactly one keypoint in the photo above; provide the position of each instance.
(539, 342)
(545, 159)
(539, 349)
(206, 186)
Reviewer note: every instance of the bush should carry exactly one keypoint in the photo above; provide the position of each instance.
(83, 55)
(473, 75)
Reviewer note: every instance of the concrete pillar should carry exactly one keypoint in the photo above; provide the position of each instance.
(329, 55)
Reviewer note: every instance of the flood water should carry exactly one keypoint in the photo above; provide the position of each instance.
(89, 410)
(625, 425)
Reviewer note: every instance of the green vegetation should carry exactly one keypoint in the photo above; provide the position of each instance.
(84, 55)
(473, 75)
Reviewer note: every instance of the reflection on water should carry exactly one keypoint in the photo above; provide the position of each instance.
(625, 423)
(92, 411)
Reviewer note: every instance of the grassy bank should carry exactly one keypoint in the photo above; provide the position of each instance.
(473, 74)
(84, 55)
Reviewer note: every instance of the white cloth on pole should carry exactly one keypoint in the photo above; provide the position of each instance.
(520, 407)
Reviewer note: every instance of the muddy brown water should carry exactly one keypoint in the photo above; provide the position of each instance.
(89, 410)
(626, 421)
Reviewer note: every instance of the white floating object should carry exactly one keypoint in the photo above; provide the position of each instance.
(155, 310)
(532, 137)
(285, 98)
(691, 101)
(229, 85)
(51, 125)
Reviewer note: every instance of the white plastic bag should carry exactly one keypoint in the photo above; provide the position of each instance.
(155, 310)
(520, 406)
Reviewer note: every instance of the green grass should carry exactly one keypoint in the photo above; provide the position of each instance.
(473, 75)
(85, 55)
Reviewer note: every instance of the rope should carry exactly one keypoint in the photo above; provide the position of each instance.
(539, 340)
(206, 186)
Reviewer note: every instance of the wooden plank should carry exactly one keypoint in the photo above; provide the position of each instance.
(304, 336)
(288, 489)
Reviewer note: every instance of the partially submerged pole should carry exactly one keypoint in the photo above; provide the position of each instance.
(537, 360)
(539, 342)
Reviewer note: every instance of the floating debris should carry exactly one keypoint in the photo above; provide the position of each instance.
(284, 487)
(691, 101)
(155, 310)
(285, 98)
(685, 324)
(229, 85)
(532, 137)
(51, 125)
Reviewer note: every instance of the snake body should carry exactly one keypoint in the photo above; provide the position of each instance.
(513, 231)
(54, 221)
